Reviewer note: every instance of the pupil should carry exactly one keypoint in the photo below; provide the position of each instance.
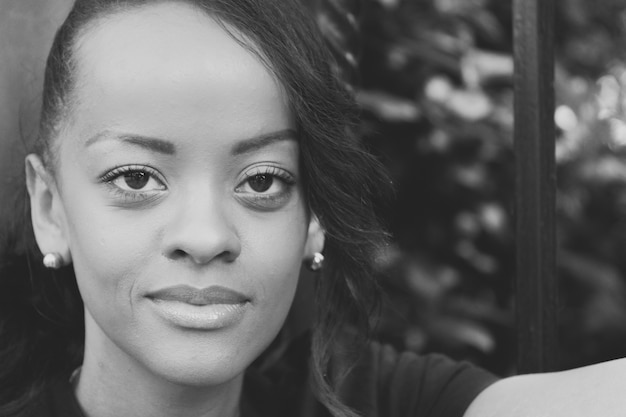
(261, 182)
(136, 180)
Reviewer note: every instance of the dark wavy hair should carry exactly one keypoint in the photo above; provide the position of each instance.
(41, 313)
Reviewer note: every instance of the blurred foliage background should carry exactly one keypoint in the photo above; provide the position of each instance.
(436, 88)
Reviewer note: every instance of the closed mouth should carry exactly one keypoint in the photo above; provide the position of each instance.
(199, 296)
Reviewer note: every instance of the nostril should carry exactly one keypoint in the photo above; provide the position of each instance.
(178, 254)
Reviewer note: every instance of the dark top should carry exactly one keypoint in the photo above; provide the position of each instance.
(383, 383)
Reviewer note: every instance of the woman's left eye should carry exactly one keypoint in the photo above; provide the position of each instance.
(266, 187)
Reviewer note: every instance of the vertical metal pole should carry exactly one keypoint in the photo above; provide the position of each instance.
(536, 280)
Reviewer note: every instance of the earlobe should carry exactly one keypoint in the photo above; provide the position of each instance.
(46, 210)
(315, 238)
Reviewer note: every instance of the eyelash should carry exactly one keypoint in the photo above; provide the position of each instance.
(263, 200)
(271, 171)
(132, 196)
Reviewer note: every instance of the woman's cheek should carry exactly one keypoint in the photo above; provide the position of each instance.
(108, 253)
(279, 256)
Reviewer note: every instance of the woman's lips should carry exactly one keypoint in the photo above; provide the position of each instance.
(208, 308)
(199, 296)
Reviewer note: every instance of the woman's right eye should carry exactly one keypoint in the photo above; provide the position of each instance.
(134, 180)
(137, 181)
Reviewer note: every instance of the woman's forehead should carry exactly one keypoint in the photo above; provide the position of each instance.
(171, 58)
(173, 40)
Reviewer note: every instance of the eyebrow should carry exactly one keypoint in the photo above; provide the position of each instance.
(150, 143)
(257, 142)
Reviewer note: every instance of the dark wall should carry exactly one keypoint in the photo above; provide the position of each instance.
(26, 31)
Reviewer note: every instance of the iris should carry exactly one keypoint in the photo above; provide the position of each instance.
(261, 182)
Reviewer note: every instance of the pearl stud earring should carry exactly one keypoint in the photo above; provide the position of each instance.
(53, 260)
(317, 262)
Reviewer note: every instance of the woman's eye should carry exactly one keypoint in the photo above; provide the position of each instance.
(266, 188)
(134, 181)
(137, 181)
(271, 181)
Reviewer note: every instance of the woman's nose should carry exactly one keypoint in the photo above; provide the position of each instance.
(201, 230)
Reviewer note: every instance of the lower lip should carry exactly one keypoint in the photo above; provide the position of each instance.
(200, 317)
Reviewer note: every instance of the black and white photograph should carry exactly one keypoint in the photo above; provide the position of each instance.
(312, 208)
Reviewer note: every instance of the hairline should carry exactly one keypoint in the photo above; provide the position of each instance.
(64, 118)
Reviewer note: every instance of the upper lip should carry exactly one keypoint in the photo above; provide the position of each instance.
(199, 296)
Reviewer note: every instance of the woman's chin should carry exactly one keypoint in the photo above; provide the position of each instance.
(198, 372)
(200, 358)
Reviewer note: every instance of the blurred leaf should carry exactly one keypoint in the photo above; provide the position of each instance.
(388, 107)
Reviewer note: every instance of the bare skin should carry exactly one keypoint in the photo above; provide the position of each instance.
(596, 390)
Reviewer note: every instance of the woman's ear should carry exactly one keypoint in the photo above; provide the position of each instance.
(46, 210)
(315, 238)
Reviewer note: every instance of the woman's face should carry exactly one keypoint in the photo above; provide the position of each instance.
(179, 186)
